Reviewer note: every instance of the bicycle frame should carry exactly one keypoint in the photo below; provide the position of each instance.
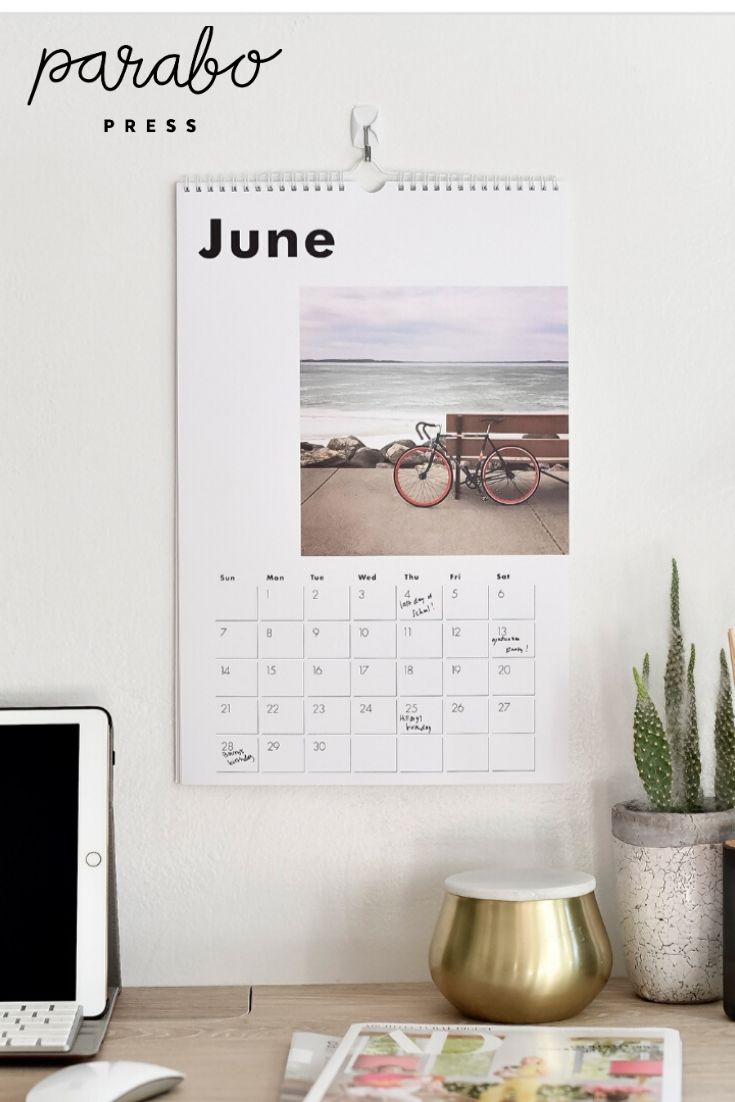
(472, 476)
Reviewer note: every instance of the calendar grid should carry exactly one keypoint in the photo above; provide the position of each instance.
(377, 678)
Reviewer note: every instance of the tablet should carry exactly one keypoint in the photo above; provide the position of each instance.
(54, 796)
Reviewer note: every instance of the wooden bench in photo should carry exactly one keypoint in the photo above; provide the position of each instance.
(545, 435)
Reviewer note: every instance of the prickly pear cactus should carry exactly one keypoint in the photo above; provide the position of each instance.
(650, 745)
(724, 740)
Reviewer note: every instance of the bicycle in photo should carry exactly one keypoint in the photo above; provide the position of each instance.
(424, 474)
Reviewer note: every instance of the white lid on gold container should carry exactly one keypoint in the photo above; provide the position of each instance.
(520, 885)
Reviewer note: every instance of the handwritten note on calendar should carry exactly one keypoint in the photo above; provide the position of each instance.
(373, 486)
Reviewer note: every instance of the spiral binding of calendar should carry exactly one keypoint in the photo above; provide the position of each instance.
(268, 181)
(456, 181)
(337, 181)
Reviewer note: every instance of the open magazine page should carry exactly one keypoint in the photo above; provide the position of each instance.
(424, 1063)
(307, 1057)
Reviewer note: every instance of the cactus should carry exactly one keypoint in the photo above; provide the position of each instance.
(669, 758)
(724, 740)
(650, 745)
(674, 687)
(692, 761)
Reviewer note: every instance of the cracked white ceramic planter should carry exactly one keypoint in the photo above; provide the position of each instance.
(669, 879)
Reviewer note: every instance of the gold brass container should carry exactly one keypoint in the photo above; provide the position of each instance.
(520, 947)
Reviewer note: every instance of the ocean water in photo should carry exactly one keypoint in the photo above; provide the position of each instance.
(380, 401)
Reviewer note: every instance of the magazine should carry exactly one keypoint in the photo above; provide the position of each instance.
(307, 1058)
(389, 1062)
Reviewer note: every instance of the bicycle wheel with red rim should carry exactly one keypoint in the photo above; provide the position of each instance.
(423, 477)
(510, 475)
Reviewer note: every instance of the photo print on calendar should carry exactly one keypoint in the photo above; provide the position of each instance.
(434, 421)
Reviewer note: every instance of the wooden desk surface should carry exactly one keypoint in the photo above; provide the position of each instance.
(228, 1054)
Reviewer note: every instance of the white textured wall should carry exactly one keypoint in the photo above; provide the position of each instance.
(289, 885)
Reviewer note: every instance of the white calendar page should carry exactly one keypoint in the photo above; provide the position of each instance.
(346, 615)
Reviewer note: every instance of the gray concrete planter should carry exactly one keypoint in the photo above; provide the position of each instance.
(669, 879)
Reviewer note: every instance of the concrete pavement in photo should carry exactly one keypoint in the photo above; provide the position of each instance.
(358, 512)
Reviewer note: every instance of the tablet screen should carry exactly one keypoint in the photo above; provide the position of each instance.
(39, 797)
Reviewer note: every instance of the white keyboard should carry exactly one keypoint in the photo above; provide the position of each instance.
(416, 679)
(28, 1027)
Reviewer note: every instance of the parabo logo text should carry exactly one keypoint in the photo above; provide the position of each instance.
(111, 72)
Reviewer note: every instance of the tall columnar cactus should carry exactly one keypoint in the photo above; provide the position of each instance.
(724, 740)
(674, 687)
(691, 757)
(650, 744)
(668, 757)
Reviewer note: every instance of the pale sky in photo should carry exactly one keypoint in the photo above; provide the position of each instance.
(434, 323)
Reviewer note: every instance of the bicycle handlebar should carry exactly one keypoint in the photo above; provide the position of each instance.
(422, 426)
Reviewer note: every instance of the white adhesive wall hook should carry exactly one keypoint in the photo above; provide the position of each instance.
(362, 129)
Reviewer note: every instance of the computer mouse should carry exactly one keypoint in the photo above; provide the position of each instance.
(105, 1081)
